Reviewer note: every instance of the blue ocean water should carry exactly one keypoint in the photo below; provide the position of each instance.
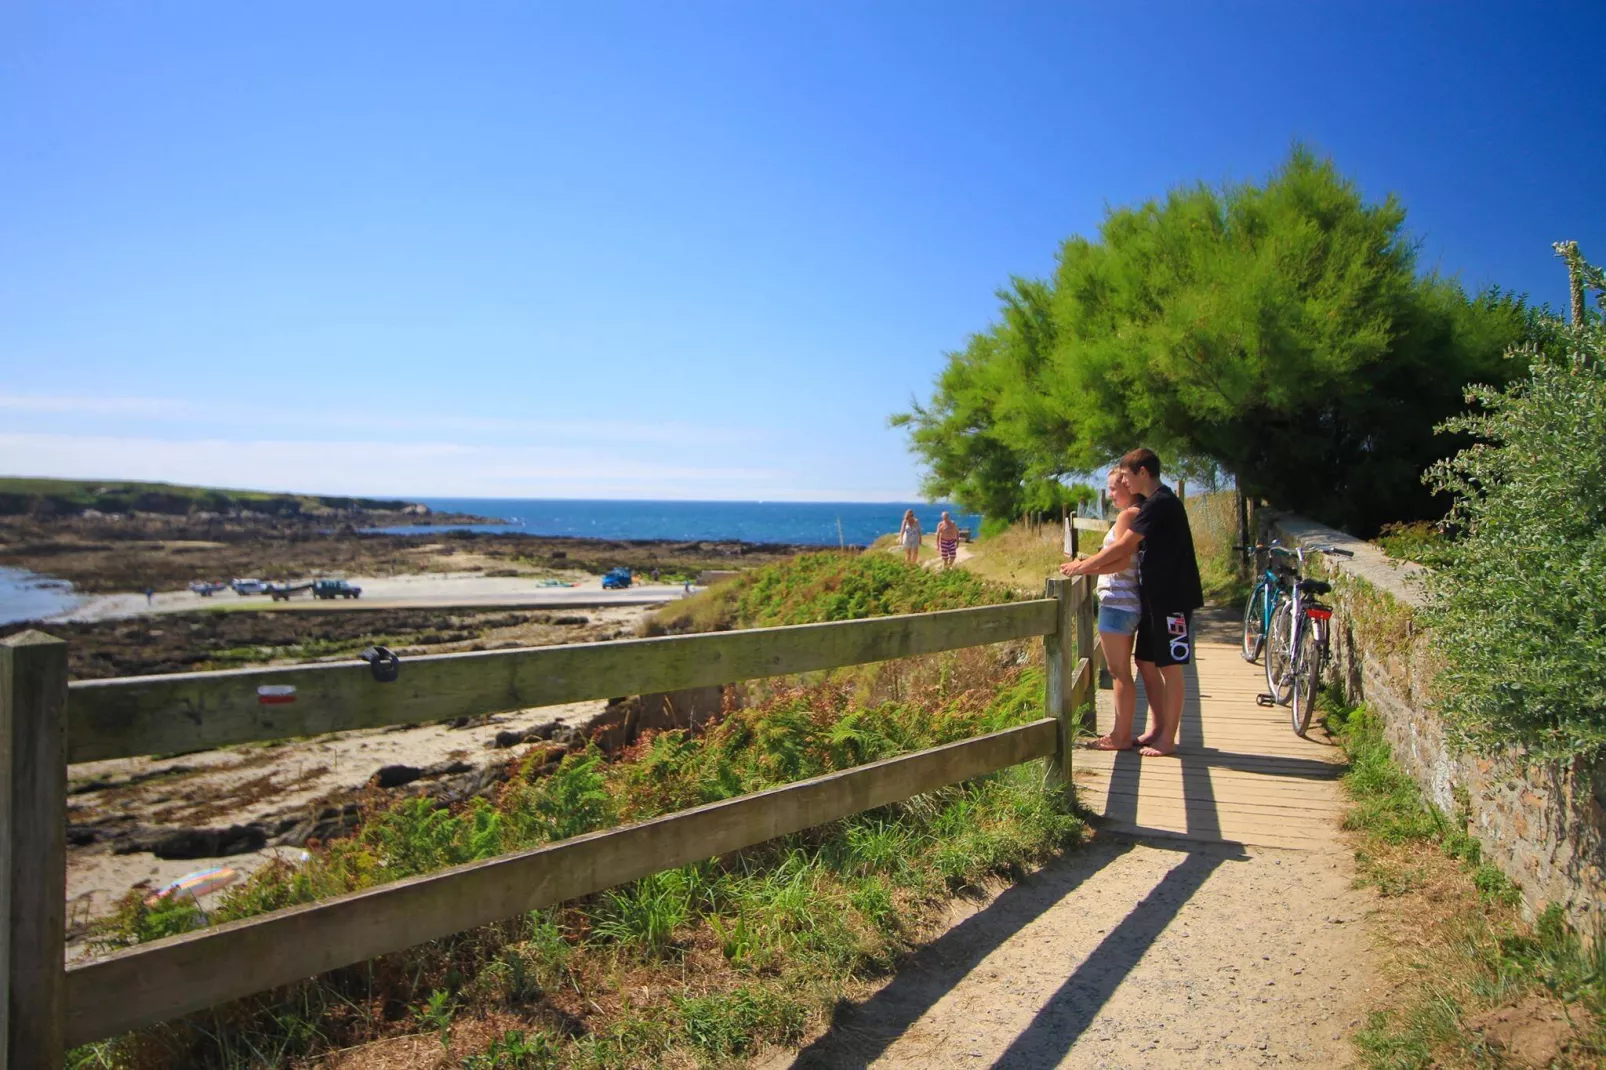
(801, 523)
(26, 595)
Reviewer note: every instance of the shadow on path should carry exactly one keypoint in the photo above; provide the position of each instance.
(860, 1033)
(1069, 1012)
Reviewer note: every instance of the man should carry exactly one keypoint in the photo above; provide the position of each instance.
(1169, 588)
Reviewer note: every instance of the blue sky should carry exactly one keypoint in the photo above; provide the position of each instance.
(689, 250)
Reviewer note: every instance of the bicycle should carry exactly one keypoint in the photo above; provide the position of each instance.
(1298, 635)
(1262, 603)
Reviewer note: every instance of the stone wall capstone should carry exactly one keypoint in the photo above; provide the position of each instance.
(1542, 824)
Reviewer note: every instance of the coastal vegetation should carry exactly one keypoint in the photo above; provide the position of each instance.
(1279, 332)
(823, 586)
(1515, 608)
(1474, 985)
(69, 497)
(704, 964)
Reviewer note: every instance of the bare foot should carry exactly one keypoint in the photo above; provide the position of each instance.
(1164, 750)
(1107, 743)
(1147, 739)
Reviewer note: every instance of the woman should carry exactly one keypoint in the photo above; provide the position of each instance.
(1119, 610)
(909, 537)
(947, 540)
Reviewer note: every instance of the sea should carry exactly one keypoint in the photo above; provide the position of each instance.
(27, 595)
(797, 523)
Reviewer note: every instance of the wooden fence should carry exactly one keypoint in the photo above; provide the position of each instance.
(46, 723)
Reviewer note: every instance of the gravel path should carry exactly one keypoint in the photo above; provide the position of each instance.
(1141, 952)
(1130, 955)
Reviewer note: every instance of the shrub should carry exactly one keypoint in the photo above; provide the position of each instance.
(825, 586)
(1515, 605)
(1422, 542)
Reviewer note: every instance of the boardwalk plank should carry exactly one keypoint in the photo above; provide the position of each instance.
(1242, 776)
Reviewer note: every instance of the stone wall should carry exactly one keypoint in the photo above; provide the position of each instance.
(1543, 825)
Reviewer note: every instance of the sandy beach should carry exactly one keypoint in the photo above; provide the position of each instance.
(432, 590)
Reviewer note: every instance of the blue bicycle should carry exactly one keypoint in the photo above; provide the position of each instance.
(1263, 600)
(1284, 619)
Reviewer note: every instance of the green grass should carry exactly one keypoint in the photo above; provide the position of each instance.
(702, 964)
(825, 586)
(1462, 945)
(1019, 557)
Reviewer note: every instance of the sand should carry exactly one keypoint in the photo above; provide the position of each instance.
(424, 591)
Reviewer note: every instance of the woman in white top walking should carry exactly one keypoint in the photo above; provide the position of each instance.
(909, 537)
(1119, 609)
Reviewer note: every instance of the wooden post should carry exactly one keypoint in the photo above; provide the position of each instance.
(1182, 490)
(1243, 533)
(1086, 613)
(33, 696)
(5, 854)
(1059, 659)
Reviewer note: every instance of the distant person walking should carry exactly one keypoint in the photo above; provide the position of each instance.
(909, 537)
(1169, 589)
(150, 596)
(947, 540)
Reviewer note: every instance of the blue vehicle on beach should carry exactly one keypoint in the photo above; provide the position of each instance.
(616, 579)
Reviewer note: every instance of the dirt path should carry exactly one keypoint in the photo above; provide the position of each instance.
(1162, 944)
(1129, 955)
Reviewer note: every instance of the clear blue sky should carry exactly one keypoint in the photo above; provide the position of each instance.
(686, 250)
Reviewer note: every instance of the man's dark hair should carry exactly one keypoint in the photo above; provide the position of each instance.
(1143, 458)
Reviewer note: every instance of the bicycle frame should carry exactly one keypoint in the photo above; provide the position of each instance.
(1276, 589)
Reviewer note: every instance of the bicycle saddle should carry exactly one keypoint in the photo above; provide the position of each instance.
(1315, 586)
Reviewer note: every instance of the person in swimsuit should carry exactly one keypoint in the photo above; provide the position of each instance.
(1120, 606)
(1168, 583)
(947, 540)
(909, 537)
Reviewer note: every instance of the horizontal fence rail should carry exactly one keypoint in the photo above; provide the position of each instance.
(181, 974)
(201, 711)
(52, 724)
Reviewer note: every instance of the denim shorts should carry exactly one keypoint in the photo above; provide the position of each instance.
(1119, 621)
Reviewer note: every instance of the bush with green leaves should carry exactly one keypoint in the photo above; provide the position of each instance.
(1518, 602)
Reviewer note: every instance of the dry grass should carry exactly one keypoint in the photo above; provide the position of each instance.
(1021, 557)
(1214, 520)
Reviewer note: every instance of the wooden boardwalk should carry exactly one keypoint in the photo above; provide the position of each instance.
(1242, 775)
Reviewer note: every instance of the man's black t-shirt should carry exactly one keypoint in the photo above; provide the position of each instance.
(1168, 572)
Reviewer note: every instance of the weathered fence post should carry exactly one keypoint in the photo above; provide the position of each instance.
(1087, 611)
(33, 714)
(5, 855)
(1059, 660)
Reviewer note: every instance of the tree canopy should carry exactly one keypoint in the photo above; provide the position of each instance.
(1279, 331)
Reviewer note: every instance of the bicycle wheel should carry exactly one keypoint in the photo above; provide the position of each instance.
(1280, 653)
(1255, 622)
(1306, 677)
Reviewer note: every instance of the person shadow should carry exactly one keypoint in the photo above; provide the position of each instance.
(859, 1033)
